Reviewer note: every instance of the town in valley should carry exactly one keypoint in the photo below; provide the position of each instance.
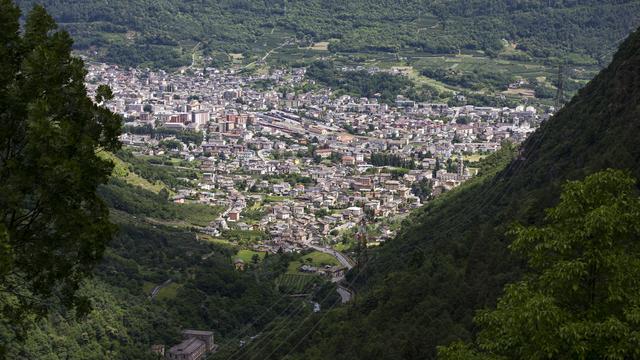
(295, 167)
(303, 168)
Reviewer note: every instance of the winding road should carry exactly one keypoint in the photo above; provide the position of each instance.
(345, 293)
(342, 258)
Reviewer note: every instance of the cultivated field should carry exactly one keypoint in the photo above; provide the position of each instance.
(295, 283)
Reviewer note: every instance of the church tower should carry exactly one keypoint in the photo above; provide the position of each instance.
(460, 167)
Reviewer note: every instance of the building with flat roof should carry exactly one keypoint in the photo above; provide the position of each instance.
(196, 344)
(189, 349)
(202, 335)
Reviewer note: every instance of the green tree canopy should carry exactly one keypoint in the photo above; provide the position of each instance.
(582, 297)
(53, 226)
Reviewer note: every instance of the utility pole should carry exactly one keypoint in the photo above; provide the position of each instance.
(560, 93)
(361, 238)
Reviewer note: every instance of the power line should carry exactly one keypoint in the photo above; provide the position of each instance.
(283, 326)
(513, 167)
(560, 92)
(247, 327)
(256, 344)
(277, 331)
(457, 219)
(500, 176)
(310, 331)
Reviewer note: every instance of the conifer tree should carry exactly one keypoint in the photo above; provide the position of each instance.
(53, 226)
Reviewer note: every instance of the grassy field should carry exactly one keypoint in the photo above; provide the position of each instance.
(176, 161)
(520, 92)
(316, 258)
(247, 255)
(467, 63)
(320, 46)
(244, 237)
(215, 240)
(470, 158)
(410, 63)
(121, 170)
(320, 258)
(168, 292)
(415, 76)
(274, 198)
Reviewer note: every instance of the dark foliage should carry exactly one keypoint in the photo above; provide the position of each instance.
(53, 226)
(204, 292)
(360, 83)
(185, 136)
(135, 32)
(155, 169)
(384, 159)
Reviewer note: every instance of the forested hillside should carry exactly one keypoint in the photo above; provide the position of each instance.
(165, 32)
(154, 246)
(423, 288)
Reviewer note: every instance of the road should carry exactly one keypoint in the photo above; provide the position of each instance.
(342, 258)
(285, 43)
(193, 55)
(156, 289)
(345, 294)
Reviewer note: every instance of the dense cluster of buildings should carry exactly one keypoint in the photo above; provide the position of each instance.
(304, 161)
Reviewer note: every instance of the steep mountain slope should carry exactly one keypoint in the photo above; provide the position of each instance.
(423, 288)
(164, 32)
(154, 244)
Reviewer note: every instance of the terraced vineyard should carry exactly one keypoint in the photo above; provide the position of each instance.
(295, 283)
